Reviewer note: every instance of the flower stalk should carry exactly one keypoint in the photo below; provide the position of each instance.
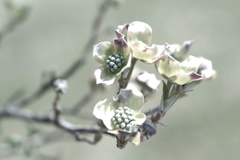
(123, 82)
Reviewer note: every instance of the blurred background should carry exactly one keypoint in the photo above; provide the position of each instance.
(202, 126)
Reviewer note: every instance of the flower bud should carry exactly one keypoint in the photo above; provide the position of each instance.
(60, 85)
(148, 81)
(149, 128)
(179, 51)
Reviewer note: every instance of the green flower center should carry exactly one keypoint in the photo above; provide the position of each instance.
(123, 118)
(115, 62)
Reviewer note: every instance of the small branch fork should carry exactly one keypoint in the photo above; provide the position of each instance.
(15, 109)
(77, 64)
(56, 120)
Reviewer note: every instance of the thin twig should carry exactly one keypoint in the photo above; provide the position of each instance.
(13, 110)
(62, 124)
(56, 108)
(79, 137)
(155, 109)
(74, 66)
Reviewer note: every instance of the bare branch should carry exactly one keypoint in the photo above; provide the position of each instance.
(49, 119)
(79, 137)
(74, 66)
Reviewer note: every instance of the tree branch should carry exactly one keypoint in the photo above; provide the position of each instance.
(50, 119)
(74, 66)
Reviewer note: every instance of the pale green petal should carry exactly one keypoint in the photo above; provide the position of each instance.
(190, 64)
(131, 98)
(183, 50)
(179, 51)
(104, 110)
(168, 66)
(172, 49)
(139, 31)
(101, 52)
(183, 78)
(139, 118)
(136, 139)
(114, 132)
(147, 54)
(127, 65)
(103, 76)
(121, 46)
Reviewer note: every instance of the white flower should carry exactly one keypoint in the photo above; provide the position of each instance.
(122, 117)
(179, 73)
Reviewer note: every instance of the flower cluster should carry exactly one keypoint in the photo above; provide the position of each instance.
(122, 117)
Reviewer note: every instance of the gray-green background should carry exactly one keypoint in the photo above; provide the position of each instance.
(202, 126)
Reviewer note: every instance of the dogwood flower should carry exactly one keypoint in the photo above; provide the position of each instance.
(115, 58)
(139, 36)
(179, 73)
(123, 116)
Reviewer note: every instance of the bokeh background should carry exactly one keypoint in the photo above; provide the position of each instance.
(202, 126)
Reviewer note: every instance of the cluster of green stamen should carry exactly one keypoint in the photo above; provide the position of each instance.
(115, 62)
(123, 118)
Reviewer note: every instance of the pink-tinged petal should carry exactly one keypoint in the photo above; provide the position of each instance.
(103, 76)
(183, 78)
(121, 46)
(139, 118)
(139, 31)
(167, 66)
(123, 30)
(104, 110)
(206, 69)
(101, 51)
(119, 34)
(136, 139)
(148, 81)
(190, 64)
(129, 132)
(147, 54)
(131, 98)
